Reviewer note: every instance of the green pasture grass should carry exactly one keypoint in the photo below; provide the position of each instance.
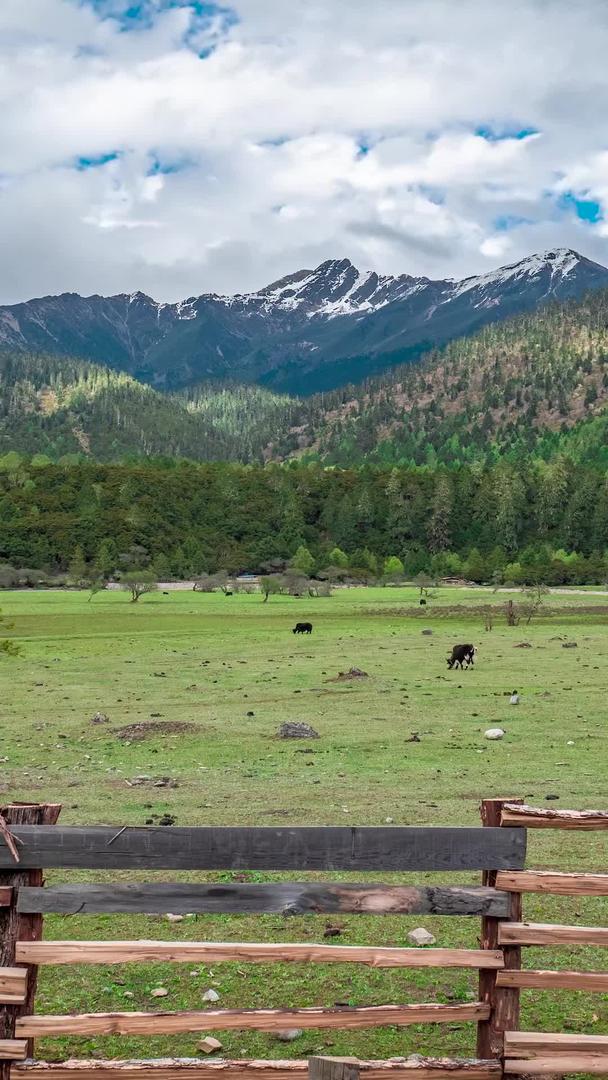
(231, 667)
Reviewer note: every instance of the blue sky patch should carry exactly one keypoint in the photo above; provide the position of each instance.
(506, 222)
(586, 209)
(93, 161)
(433, 194)
(505, 131)
(140, 15)
(160, 166)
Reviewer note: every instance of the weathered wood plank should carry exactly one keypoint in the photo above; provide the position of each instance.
(246, 1019)
(554, 980)
(13, 1049)
(322, 1068)
(591, 1064)
(217, 952)
(285, 898)
(533, 817)
(194, 1069)
(532, 1044)
(267, 848)
(550, 881)
(13, 985)
(6, 896)
(549, 934)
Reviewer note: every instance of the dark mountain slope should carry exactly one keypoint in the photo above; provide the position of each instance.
(313, 330)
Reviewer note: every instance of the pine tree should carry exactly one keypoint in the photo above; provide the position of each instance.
(77, 569)
(393, 568)
(337, 557)
(439, 525)
(105, 560)
(302, 561)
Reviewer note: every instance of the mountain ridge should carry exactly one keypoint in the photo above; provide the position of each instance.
(309, 331)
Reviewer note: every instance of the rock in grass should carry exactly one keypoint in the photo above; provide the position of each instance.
(170, 917)
(294, 729)
(100, 718)
(211, 995)
(289, 1034)
(209, 1045)
(420, 936)
(494, 733)
(159, 992)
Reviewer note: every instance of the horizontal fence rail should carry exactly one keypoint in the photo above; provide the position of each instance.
(13, 985)
(540, 1054)
(285, 898)
(126, 952)
(550, 934)
(550, 881)
(532, 817)
(304, 848)
(416, 1068)
(591, 981)
(589, 1064)
(163, 1023)
(13, 1049)
(533, 1044)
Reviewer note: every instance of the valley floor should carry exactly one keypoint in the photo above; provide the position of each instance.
(195, 687)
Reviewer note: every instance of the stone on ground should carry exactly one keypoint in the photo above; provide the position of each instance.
(289, 1034)
(209, 1045)
(294, 729)
(420, 936)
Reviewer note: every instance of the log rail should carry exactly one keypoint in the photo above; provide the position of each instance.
(416, 1068)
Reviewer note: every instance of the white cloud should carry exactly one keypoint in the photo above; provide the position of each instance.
(305, 130)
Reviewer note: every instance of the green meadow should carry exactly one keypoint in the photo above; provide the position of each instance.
(195, 687)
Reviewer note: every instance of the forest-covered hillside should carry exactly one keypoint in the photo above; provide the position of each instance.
(57, 407)
(535, 385)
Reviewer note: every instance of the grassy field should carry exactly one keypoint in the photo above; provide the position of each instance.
(209, 679)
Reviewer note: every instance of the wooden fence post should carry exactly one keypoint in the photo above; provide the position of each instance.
(322, 1068)
(503, 1001)
(15, 927)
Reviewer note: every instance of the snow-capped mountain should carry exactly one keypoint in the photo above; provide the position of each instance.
(309, 331)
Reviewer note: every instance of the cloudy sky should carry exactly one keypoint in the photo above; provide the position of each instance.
(180, 147)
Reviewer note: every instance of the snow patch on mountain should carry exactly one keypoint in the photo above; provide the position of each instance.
(559, 263)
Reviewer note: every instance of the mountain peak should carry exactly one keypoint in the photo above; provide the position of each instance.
(335, 266)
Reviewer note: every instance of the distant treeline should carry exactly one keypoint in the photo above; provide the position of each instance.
(533, 522)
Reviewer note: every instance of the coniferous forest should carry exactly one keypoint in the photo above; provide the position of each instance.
(502, 522)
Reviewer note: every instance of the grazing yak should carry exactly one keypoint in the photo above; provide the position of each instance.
(302, 628)
(461, 655)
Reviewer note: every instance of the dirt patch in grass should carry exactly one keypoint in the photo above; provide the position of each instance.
(149, 729)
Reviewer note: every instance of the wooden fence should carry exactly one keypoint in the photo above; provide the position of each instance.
(31, 841)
